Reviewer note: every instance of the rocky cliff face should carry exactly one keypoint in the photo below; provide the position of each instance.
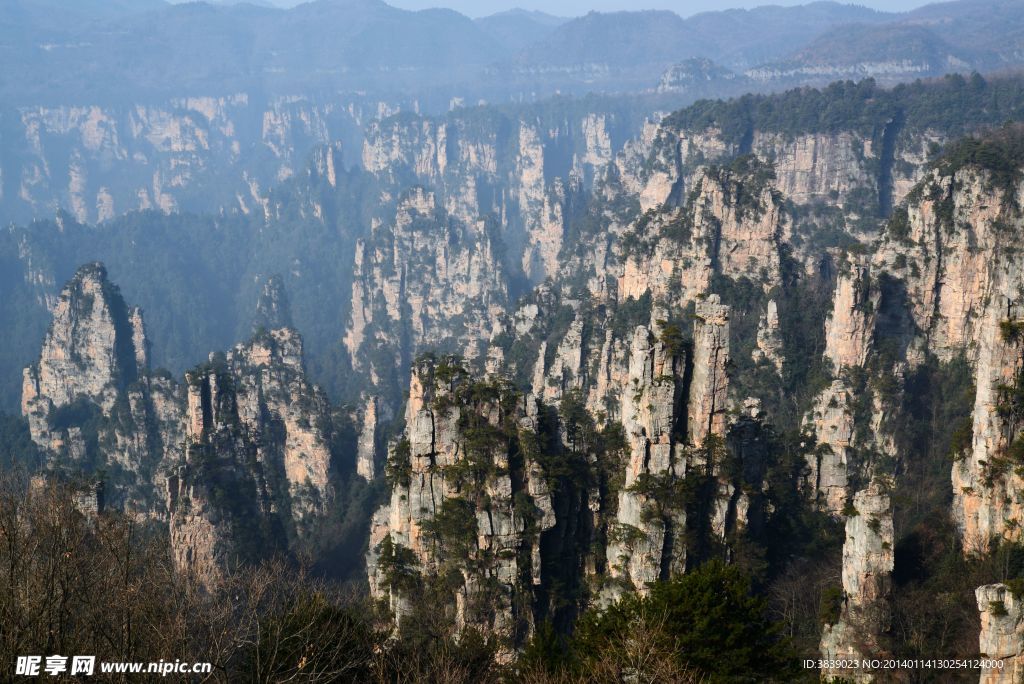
(813, 167)
(217, 493)
(987, 486)
(731, 225)
(867, 569)
(949, 247)
(237, 460)
(849, 333)
(838, 169)
(480, 474)
(272, 392)
(368, 421)
(647, 540)
(256, 469)
(1002, 636)
(640, 546)
(850, 329)
(90, 347)
(91, 401)
(960, 281)
(474, 205)
(709, 383)
(523, 172)
(467, 507)
(194, 153)
(833, 423)
(424, 279)
(668, 387)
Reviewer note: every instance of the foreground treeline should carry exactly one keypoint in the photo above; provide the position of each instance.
(74, 582)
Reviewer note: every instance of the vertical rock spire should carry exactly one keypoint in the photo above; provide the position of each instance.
(709, 385)
(849, 333)
(90, 348)
(273, 310)
(82, 398)
(867, 582)
(1002, 633)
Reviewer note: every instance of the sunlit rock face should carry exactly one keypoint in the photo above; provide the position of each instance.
(849, 335)
(732, 225)
(1002, 633)
(960, 275)
(951, 250)
(836, 168)
(462, 505)
(80, 355)
(423, 278)
(236, 460)
(90, 399)
(255, 473)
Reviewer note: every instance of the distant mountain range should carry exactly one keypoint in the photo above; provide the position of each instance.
(132, 50)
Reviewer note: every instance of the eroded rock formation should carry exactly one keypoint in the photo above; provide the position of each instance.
(954, 251)
(191, 153)
(424, 278)
(848, 342)
(256, 469)
(645, 541)
(467, 506)
(867, 584)
(1002, 633)
(91, 401)
(237, 460)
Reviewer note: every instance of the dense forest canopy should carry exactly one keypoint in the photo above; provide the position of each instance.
(953, 105)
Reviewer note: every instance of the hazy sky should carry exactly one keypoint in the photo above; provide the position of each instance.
(479, 8)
